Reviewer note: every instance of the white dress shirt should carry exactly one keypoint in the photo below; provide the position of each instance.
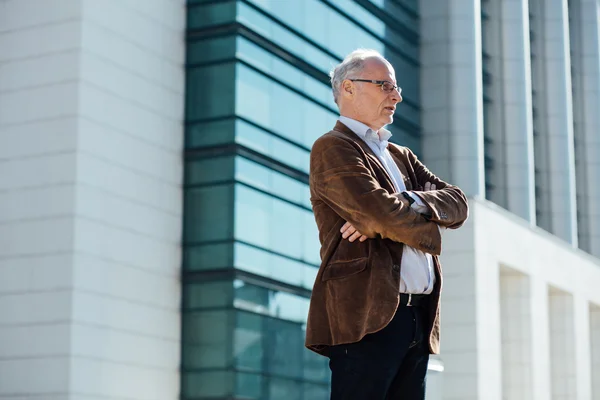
(416, 270)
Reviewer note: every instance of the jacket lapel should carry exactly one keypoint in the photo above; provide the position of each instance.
(372, 158)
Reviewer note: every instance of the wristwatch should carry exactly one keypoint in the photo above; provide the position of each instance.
(409, 198)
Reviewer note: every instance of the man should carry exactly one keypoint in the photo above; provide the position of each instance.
(375, 305)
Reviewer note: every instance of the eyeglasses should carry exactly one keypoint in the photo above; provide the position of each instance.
(386, 86)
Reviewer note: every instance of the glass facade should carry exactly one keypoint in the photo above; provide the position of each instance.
(491, 141)
(542, 176)
(584, 226)
(257, 97)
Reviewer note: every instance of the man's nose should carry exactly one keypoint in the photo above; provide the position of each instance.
(396, 96)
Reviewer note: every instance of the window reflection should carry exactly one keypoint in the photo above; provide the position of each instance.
(217, 80)
(210, 133)
(264, 263)
(249, 386)
(285, 389)
(404, 10)
(206, 348)
(314, 392)
(285, 340)
(252, 216)
(276, 67)
(270, 223)
(286, 228)
(267, 343)
(284, 38)
(346, 35)
(275, 347)
(209, 170)
(406, 43)
(211, 50)
(314, 370)
(218, 294)
(282, 305)
(208, 256)
(207, 384)
(211, 14)
(208, 214)
(271, 181)
(268, 104)
(336, 32)
(339, 33)
(248, 351)
(268, 144)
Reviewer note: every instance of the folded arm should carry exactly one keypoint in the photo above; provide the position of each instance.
(447, 205)
(341, 180)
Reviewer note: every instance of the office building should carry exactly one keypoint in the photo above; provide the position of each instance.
(156, 234)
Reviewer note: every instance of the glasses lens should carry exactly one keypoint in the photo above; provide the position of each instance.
(388, 87)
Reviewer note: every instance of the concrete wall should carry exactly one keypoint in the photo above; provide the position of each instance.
(514, 295)
(451, 92)
(585, 60)
(516, 108)
(553, 143)
(91, 109)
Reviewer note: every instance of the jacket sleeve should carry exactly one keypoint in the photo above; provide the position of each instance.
(448, 204)
(340, 178)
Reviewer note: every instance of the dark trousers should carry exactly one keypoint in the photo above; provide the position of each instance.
(387, 365)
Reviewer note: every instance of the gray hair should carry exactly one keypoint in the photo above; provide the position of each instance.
(352, 65)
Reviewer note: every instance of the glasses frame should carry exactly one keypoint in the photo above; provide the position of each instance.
(380, 84)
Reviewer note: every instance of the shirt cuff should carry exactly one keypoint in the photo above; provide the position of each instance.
(418, 205)
(421, 208)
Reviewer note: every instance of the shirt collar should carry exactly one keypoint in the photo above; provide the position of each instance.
(367, 134)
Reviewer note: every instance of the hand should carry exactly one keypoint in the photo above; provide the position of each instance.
(429, 186)
(349, 232)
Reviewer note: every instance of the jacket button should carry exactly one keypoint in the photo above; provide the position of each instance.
(396, 267)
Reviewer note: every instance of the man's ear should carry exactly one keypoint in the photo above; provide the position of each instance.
(347, 88)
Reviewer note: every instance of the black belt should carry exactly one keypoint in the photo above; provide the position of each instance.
(413, 300)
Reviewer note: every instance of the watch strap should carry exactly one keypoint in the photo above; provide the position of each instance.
(408, 197)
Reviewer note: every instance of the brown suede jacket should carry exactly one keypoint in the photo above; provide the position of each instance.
(356, 291)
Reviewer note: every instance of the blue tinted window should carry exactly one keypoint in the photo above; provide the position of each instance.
(208, 213)
(207, 347)
(207, 257)
(202, 16)
(217, 294)
(281, 70)
(276, 148)
(275, 266)
(269, 302)
(274, 182)
(207, 384)
(209, 170)
(274, 224)
(210, 50)
(216, 79)
(275, 107)
(206, 134)
(403, 11)
(284, 38)
(276, 347)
